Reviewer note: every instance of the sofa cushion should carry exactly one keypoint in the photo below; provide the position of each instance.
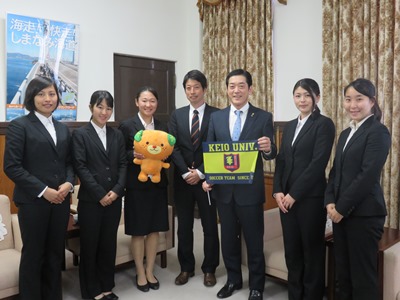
(6, 239)
(391, 267)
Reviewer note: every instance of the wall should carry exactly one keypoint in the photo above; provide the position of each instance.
(297, 51)
(168, 30)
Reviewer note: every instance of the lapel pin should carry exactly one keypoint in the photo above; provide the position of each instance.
(252, 114)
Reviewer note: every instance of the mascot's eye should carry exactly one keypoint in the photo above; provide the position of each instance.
(162, 145)
(147, 143)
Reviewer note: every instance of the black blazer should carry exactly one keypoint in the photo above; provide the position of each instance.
(258, 123)
(32, 160)
(300, 169)
(129, 128)
(354, 181)
(99, 171)
(184, 156)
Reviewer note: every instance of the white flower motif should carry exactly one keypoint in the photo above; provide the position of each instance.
(3, 229)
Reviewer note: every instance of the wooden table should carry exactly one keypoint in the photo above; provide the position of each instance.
(390, 237)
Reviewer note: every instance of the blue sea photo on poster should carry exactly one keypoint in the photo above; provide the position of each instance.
(41, 47)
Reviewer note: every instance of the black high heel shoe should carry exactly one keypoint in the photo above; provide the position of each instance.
(143, 288)
(154, 285)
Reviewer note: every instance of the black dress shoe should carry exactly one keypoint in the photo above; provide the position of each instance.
(255, 295)
(111, 296)
(228, 289)
(154, 285)
(143, 288)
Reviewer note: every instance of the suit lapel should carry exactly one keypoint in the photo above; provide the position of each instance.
(91, 132)
(303, 131)
(40, 127)
(110, 139)
(249, 123)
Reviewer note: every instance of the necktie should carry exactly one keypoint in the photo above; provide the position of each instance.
(195, 129)
(237, 127)
(50, 128)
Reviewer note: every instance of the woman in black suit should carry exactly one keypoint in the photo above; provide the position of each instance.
(354, 198)
(299, 185)
(146, 203)
(100, 163)
(37, 159)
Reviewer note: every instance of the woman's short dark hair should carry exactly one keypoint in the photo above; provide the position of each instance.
(367, 88)
(195, 75)
(311, 86)
(146, 89)
(241, 72)
(99, 96)
(34, 87)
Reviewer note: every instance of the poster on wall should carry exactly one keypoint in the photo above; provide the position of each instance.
(41, 47)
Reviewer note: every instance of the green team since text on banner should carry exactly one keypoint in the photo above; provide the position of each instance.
(230, 162)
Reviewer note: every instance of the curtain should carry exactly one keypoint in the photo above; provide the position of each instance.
(361, 38)
(238, 34)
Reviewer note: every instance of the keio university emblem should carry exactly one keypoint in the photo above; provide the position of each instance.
(231, 162)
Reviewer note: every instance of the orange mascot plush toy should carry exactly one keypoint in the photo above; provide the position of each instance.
(155, 146)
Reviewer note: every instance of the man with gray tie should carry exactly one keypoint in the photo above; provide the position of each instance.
(240, 206)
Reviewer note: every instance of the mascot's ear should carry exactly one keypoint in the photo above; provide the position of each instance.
(171, 140)
(138, 136)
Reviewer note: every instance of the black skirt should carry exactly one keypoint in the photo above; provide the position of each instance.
(146, 211)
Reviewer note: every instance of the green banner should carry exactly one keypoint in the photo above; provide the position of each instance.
(230, 162)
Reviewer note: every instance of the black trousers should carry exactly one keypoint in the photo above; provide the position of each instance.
(304, 241)
(185, 200)
(248, 220)
(43, 228)
(356, 246)
(98, 242)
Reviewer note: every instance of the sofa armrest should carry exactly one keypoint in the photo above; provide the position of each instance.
(272, 224)
(391, 272)
(16, 232)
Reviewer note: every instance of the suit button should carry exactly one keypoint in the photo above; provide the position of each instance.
(56, 176)
(107, 168)
(109, 179)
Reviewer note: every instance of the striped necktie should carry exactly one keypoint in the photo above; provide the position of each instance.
(195, 129)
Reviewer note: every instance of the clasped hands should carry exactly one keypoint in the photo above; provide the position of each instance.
(333, 214)
(57, 196)
(284, 202)
(109, 198)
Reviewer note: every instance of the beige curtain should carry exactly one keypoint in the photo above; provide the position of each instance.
(238, 34)
(362, 39)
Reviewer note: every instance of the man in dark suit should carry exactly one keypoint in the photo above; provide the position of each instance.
(240, 206)
(189, 125)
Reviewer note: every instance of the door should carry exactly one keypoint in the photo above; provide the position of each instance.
(133, 72)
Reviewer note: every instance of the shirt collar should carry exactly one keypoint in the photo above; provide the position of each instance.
(144, 123)
(44, 119)
(355, 125)
(244, 108)
(301, 122)
(200, 109)
(99, 129)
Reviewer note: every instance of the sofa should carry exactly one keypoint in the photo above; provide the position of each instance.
(10, 249)
(124, 254)
(275, 265)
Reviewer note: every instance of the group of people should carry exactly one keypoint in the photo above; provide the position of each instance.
(42, 158)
